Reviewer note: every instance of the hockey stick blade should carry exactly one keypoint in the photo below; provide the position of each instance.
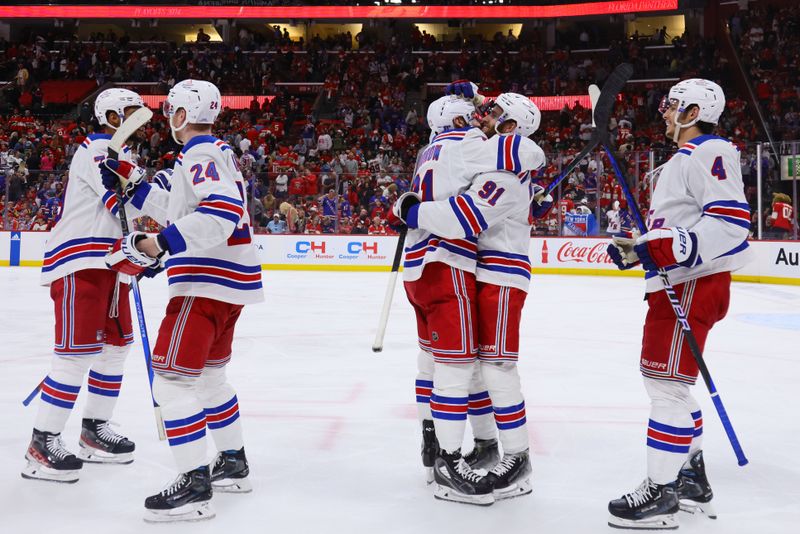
(602, 107)
(136, 120)
(608, 96)
(594, 94)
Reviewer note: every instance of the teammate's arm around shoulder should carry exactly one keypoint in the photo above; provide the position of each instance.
(220, 205)
(715, 180)
(492, 196)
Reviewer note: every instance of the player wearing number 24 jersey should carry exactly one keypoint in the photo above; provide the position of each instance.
(212, 271)
(697, 229)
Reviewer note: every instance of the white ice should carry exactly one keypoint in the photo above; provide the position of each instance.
(331, 431)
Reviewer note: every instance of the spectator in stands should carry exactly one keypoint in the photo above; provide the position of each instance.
(276, 225)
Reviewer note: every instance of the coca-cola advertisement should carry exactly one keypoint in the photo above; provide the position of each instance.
(575, 253)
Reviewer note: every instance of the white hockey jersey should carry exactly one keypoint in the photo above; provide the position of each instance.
(444, 168)
(89, 223)
(700, 188)
(496, 209)
(206, 225)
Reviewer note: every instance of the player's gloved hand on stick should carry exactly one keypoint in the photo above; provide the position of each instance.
(404, 211)
(621, 250)
(664, 247)
(466, 90)
(125, 258)
(115, 172)
(541, 203)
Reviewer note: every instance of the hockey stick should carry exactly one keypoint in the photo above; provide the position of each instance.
(377, 345)
(137, 119)
(33, 393)
(602, 107)
(679, 313)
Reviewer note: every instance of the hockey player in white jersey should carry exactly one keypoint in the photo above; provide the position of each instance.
(443, 297)
(212, 271)
(697, 230)
(93, 330)
(497, 209)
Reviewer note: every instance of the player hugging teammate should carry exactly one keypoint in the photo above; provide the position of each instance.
(466, 275)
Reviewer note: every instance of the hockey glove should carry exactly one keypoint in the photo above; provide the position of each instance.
(665, 247)
(404, 211)
(115, 172)
(125, 258)
(163, 179)
(541, 203)
(621, 251)
(466, 90)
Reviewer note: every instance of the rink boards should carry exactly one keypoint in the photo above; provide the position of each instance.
(775, 262)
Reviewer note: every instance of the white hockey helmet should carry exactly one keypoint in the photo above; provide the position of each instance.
(705, 94)
(519, 108)
(116, 100)
(200, 99)
(443, 111)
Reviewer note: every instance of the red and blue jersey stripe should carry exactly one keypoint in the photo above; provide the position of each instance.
(222, 415)
(508, 154)
(58, 394)
(510, 417)
(214, 271)
(698, 423)
(468, 215)
(105, 385)
(730, 211)
(415, 254)
(669, 438)
(424, 388)
(449, 408)
(227, 208)
(505, 262)
(450, 135)
(479, 403)
(85, 247)
(186, 430)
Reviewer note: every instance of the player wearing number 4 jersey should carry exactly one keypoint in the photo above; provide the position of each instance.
(698, 226)
(212, 271)
(496, 210)
(92, 315)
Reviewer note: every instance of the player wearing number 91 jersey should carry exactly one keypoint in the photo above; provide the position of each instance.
(212, 271)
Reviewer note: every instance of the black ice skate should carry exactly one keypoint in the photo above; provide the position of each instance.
(484, 455)
(99, 444)
(229, 472)
(650, 507)
(694, 491)
(456, 481)
(48, 459)
(511, 477)
(188, 498)
(430, 448)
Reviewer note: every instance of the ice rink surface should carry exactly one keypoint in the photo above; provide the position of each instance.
(331, 429)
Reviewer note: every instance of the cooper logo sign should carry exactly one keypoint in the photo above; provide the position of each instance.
(569, 252)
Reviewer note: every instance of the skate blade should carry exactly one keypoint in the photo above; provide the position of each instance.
(36, 471)
(692, 507)
(662, 522)
(443, 493)
(196, 511)
(232, 485)
(518, 489)
(96, 456)
(429, 475)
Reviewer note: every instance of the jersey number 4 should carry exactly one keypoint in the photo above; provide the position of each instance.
(718, 170)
